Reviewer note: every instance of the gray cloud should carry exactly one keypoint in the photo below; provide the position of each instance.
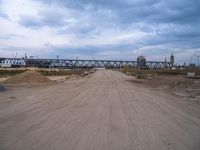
(4, 16)
(44, 18)
(143, 10)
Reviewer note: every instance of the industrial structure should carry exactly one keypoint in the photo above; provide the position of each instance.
(75, 63)
(141, 62)
(172, 59)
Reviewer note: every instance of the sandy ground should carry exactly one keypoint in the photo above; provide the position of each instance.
(3, 79)
(57, 78)
(102, 112)
(180, 85)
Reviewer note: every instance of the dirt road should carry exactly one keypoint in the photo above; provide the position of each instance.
(103, 112)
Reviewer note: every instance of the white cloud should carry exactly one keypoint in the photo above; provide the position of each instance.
(15, 8)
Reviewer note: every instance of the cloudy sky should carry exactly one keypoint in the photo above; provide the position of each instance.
(100, 29)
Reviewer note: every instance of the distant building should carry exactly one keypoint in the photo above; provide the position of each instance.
(172, 59)
(141, 62)
(25, 57)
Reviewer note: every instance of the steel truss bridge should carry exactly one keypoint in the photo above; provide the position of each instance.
(75, 63)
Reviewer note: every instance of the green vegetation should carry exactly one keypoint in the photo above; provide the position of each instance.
(141, 76)
(6, 73)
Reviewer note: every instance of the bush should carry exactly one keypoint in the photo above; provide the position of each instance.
(141, 76)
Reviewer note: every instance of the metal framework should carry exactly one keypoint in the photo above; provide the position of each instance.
(73, 63)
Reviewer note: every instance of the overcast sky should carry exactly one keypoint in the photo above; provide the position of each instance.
(100, 29)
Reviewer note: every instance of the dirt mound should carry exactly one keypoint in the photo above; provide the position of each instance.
(28, 77)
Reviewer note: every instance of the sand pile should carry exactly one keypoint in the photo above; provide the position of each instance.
(28, 77)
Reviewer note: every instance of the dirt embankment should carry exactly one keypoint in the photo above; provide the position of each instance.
(174, 84)
(7, 72)
(28, 77)
(172, 81)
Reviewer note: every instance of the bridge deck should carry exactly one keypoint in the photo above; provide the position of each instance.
(74, 63)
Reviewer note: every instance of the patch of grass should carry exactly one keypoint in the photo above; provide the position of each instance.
(141, 76)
